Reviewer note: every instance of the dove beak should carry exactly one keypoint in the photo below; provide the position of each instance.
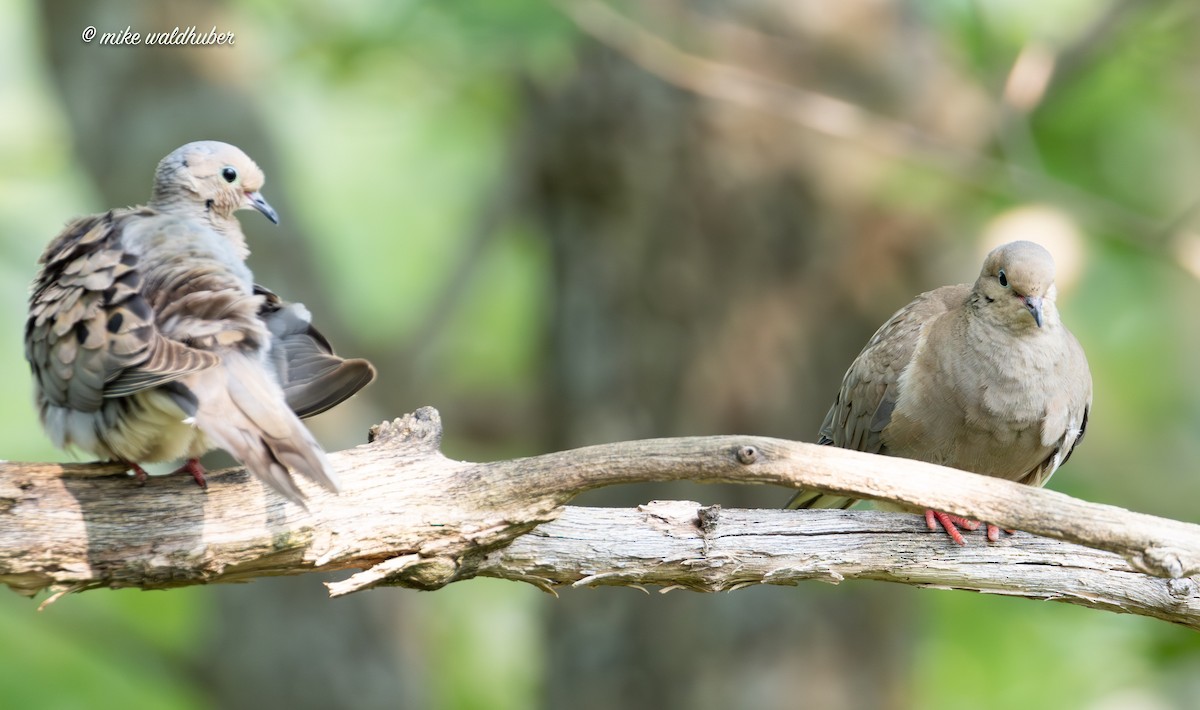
(259, 203)
(1034, 304)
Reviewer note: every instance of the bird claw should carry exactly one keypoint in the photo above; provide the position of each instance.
(193, 467)
(993, 532)
(139, 473)
(951, 524)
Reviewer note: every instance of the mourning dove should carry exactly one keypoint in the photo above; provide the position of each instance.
(149, 341)
(984, 378)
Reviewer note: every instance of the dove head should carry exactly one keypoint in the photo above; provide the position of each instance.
(213, 177)
(1016, 286)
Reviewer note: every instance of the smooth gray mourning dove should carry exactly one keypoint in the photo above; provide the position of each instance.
(149, 340)
(984, 378)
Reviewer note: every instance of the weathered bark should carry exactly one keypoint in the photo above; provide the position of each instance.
(684, 545)
(411, 517)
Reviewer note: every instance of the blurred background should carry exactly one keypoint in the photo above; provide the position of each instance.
(572, 223)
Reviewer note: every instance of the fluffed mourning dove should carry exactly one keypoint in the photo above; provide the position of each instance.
(984, 378)
(149, 340)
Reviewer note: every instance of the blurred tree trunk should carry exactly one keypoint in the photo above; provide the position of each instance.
(271, 644)
(715, 271)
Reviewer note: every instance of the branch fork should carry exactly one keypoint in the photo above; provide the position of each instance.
(409, 516)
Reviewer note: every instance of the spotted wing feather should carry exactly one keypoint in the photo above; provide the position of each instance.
(91, 332)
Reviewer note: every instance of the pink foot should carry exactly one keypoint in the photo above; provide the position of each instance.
(139, 473)
(193, 467)
(951, 524)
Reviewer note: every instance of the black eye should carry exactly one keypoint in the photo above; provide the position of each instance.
(1003, 279)
(229, 174)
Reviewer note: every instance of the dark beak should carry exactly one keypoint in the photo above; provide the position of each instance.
(1034, 304)
(260, 204)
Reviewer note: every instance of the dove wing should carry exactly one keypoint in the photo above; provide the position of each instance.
(864, 404)
(313, 377)
(91, 331)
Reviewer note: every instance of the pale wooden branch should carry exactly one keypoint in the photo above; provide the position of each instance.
(409, 516)
(683, 545)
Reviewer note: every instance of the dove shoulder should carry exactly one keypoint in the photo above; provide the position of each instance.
(196, 282)
(91, 332)
(867, 398)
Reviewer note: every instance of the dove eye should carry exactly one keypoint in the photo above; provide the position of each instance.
(229, 174)
(1003, 279)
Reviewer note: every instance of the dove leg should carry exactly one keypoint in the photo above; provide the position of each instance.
(951, 524)
(193, 467)
(139, 473)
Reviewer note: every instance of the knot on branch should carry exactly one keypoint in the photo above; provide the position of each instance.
(707, 518)
(747, 455)
(419, 431)
(1181, 589)
(1162, 562)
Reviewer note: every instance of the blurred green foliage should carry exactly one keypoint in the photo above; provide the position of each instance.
(119, 649)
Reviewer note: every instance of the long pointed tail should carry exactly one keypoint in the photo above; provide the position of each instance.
(243, 411)
(313, 377)
(816, 499)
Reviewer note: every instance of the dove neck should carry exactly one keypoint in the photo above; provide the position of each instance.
(187, 207)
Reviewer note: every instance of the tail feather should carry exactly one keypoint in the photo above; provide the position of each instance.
(313, 377)
(258, 457)
(246, 414)
(816, 499)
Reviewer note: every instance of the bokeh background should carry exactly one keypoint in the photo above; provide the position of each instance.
(571, 223)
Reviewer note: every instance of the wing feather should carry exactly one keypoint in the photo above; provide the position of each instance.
(91, 333)
(865, 401)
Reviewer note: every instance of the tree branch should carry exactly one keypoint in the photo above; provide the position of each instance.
(683, 545)
(409, 516)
